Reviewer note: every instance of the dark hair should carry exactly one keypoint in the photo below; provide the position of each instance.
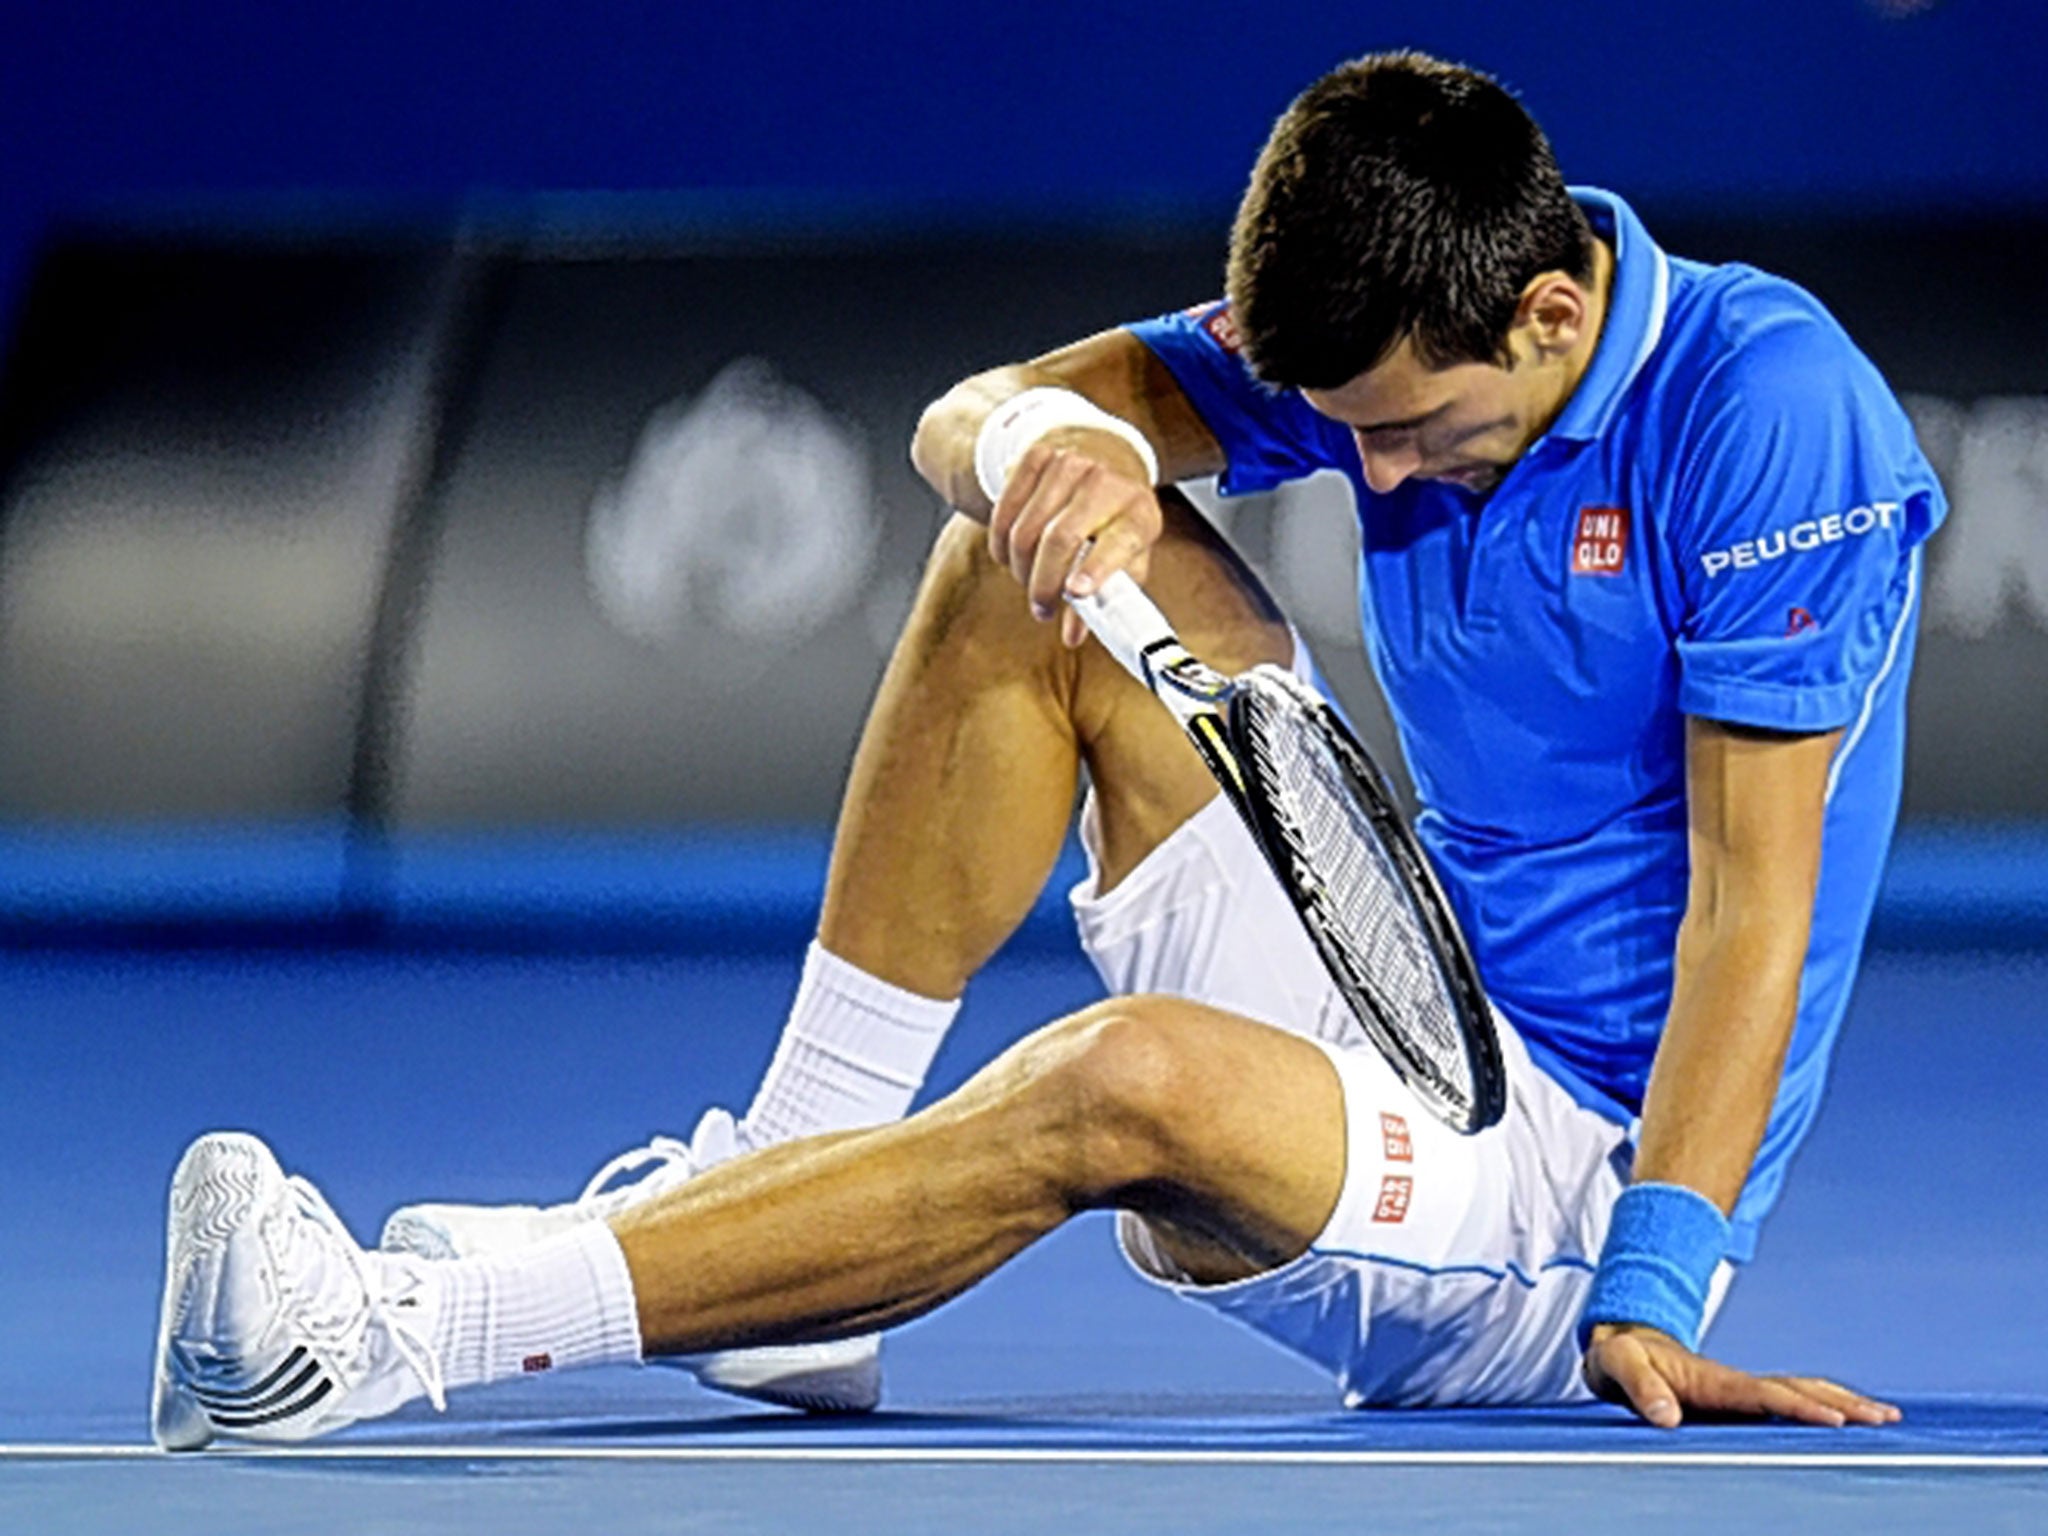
(1398, 196)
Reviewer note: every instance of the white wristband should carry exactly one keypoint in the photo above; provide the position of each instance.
(1024, 418)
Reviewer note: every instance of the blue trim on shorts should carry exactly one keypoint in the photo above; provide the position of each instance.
(1510, 1272)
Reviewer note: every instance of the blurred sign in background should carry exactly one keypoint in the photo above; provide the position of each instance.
(431, 436)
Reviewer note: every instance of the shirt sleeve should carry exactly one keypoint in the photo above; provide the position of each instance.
(1801, 500)
(1268, 436)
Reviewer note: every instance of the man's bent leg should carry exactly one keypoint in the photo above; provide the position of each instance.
(1227, 1129)
(963, 784)
(959, 800)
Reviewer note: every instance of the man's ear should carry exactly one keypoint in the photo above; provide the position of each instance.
(1556, 309)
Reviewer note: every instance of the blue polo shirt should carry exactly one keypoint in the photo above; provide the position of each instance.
(1723, 521)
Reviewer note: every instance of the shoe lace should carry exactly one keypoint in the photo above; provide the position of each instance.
(372, 1283)
(653, 1159)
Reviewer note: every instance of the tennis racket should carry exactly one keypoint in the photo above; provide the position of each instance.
(1322, 813)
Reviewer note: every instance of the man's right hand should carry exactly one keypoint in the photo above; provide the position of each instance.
(1077, 493)
(1076, 507)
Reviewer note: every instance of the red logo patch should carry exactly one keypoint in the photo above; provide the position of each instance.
(1396, 1189)
(1601, 548)
(1394, 1137)
(1221, 325)
(1798, 621)
(533, 1363)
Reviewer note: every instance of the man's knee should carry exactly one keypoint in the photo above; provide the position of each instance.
(1111, 1084)
(967, 601)
(1213, 598)
(959, 554)
(1222, 1126)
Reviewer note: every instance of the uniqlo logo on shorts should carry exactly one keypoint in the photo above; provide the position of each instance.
(1394, 1138)
(1395, 1191)
(1601, 548)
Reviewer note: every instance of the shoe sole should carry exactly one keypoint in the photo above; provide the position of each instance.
(223, 1184)
(218, 1182)
(842, 1376)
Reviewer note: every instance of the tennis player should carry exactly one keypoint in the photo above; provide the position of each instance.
(1640, 577)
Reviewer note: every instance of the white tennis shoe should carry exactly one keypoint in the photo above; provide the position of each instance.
(839, 1376)
(276, 1325)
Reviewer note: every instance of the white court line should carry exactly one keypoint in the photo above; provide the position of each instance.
(1067, 1455)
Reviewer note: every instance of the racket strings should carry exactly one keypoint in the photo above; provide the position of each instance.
(1360, 898)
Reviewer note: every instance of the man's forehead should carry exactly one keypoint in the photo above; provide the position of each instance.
(1398, 391)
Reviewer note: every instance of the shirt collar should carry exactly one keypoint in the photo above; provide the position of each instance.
(1635, 317)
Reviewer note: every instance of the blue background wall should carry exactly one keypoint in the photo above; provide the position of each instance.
(980, 109)
(991, 105)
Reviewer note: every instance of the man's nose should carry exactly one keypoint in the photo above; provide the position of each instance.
(1386, 467)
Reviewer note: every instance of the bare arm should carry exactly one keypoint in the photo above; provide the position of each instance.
(1756, 803)
(1075, 485)
(1112, 368)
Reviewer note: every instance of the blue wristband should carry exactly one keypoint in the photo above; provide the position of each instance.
(1664, 1242)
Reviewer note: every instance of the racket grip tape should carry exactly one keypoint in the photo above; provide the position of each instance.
(1664, 1242)
(1126, 621)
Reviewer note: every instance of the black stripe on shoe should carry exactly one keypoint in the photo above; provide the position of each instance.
(230, 1394)
(232, 1422)
(249, 1401)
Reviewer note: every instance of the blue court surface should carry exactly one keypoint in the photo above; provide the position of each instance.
(1906, 1259)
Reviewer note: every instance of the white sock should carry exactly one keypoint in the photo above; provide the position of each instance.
(564, 1302)
(853, 1053)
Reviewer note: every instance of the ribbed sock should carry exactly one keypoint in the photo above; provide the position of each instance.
(853, 1053)
(564, 1302)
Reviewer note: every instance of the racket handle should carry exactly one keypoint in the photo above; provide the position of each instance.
(1126, 621)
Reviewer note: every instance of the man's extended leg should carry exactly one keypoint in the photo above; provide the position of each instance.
(275, 1327)
(1223, 1127)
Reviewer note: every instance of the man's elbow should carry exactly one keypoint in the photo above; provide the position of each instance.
(942, 447)
(932, 431)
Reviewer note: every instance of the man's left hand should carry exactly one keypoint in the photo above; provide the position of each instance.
(1663, 1381)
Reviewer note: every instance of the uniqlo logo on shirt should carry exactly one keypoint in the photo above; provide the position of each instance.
(1221, 325)
(1394, 1138)
(1601, 548)
(1396, 1189)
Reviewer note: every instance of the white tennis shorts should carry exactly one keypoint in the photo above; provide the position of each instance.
(1454, 1268)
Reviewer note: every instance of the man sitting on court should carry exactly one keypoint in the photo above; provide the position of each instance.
(1640, 552)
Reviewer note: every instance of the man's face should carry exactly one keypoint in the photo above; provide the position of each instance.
(1465, 424)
